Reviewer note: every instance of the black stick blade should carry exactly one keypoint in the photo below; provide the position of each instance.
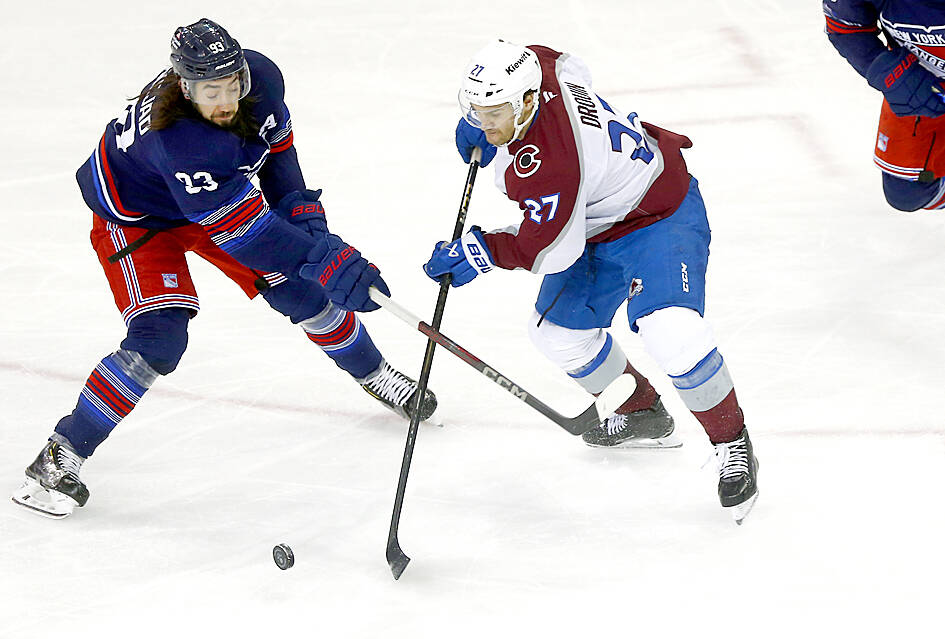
(396, 559)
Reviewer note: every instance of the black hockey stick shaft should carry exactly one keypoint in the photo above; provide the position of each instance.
(608, 401)
(396, 558)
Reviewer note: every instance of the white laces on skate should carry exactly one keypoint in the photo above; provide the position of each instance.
(392, 385)
(614, 424)
(731, 458)
(69, 461)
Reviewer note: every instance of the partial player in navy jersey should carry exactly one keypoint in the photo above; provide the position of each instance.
(898, 46)
(174, 173)
(610, 215)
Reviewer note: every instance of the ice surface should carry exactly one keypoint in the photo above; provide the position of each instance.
(827, 305)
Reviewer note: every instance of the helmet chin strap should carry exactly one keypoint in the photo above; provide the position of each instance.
(517, 131)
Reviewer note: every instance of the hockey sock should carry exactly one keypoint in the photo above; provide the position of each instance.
(111, 392)
(912, 195)
(708, 391)
(340, 334)
(607, 366)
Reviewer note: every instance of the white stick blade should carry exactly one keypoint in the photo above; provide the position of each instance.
(614, 395)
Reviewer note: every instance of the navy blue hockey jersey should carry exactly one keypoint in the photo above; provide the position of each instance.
(853, 27)
(195, 171)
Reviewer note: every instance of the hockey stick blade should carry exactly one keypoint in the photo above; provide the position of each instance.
(396, 558)
(607, 402)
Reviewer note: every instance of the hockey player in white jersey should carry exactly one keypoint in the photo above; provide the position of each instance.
(610, 215)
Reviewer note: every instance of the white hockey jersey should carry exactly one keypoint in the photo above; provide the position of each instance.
(583, 172)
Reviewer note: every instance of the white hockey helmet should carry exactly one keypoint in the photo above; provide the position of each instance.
(498, 73)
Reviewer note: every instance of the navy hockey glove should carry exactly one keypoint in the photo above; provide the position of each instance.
(464, 258)
(343, 273)
(909, 89)
(467, 138)
(302, 209)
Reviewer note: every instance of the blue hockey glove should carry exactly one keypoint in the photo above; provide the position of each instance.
(464, 258)
(467, 138)
(302, 209)
(343, 273)
(909, 89)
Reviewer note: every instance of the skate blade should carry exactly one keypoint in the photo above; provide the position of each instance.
(46, 503)
(670, 441)
(433, 420)
(740, 512)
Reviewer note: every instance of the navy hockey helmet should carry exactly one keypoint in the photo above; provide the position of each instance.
(204, 51)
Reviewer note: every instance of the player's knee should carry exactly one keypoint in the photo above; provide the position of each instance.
(298, 300)
(568, 348)
(905, 195)
(677, 338)
(160, 337)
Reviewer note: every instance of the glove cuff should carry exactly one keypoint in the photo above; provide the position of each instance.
(476, 251)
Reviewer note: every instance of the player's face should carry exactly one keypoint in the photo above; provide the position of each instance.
(497, 122)
(218, 100)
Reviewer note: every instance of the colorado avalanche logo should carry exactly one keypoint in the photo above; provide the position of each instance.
(526, 161)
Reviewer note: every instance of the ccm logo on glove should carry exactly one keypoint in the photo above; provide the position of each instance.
(335, 264)
(899, 70)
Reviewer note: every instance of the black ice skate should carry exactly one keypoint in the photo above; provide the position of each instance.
(398, 392)
(52, 487)
(648, 428)
(738, 476)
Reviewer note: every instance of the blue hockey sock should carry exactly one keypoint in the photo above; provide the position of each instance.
(912, 195)
(111, 392)
(340, 334)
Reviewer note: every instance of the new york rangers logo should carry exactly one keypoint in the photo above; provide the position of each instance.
(927, 42)
(526, 161)
(170, 280)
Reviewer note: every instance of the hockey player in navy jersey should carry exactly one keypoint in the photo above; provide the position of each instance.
(909, 70)
(611, 215)
(173, 173)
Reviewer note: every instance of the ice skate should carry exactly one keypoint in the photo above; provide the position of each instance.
(738, 476)
(52, 487)
(648, 428)
(398, 392)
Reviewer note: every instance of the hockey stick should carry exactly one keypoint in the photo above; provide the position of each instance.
(396, 557)
(607, 402)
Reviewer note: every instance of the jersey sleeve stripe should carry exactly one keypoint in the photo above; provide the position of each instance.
(836, 26)
(278, 146)
(234, 224)
(106, 189)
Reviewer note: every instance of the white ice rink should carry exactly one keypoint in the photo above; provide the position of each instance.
(827, 304)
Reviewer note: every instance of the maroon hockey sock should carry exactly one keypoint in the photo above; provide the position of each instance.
(724, 421)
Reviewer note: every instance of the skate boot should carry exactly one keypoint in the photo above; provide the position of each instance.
(648, 428)
(52, 487)
(398, 392)
(738, 476)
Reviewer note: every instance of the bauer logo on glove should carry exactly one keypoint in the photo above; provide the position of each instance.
(335, 264)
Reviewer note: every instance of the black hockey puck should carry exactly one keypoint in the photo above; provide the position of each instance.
(283, 556)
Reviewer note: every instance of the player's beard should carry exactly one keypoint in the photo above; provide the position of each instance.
(242, 123)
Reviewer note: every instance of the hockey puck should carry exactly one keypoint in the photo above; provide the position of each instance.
(283, 556)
